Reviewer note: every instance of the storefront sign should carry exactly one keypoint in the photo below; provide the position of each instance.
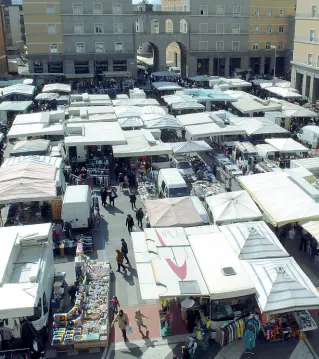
(101, 66)
(55, 67)
(119, 65)
(38, 67)
(81, 67)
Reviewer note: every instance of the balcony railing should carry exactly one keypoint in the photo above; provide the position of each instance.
(306, 40)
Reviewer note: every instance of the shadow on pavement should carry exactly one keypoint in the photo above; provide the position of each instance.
(133, 349)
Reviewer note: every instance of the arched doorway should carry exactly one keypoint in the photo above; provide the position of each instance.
(176, 56)
(147, 58)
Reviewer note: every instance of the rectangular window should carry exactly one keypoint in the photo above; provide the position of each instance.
(220, 10)
(282, 12)
(118, 47)
(236, 10)
(318, 61)
(99, 47)
(314, 11)
(256, 28)
(219, 28)
(203, 28)
(255, 46)
(97, 9)
(281, 45)
(51, 29)
(269, 29)
(203, 46)
(220, 45)
(117, 9)
(310, 59)
(50, 9)
(270, 12)
(268, 45)
(118, 28)
(311, 35)
(98, 28)
(203, 10)
(80, 47)
(79, 29)
(257, 11)
(53, 48)
(77, 9)
(281, 28)
(236, 28)
(236, 45)
(119, 65)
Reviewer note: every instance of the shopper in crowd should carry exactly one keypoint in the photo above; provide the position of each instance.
(72, 293)
(121, 181)
(139, 217)
(124, 250)
(303, 242)
(129, 223)
(123, 322)
(185, 353)
(292, 233)
(133, 200)
(117, 171)
(115, 304)
(103, 195)
(139, 319)
(119, 260)
(112, 196)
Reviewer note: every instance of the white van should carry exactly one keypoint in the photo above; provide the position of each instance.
(309, 135)
(76, 207)
(171, 183)
(175, 69)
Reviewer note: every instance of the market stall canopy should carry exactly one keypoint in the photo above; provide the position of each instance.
(165, 74)
(130, 122)
(257, 125)
(29, 147)
(187, 106)
(255, 104)
(166, 86)
(7, 83)
(122, 96)
(154, 110)
(281, 285)
(194, 118)
(136, 102)
(234, 83)
(97, 133)
(163, 122)
(286, 145)
(311, 164)
(284, 92)
(238, 95)
(229, 207)
(199, 78)
(221, 268)
(172, 212)
(166, 265)
(280, 199)
(212, 129)
(214, 95)
(253, 240)
(49, 96)
(129, 111)
(160, 118)
(141, 143)
(32, 118)
(27, 182)
(190, 146)
(170, 99)
(294, 110)
(35, 130)
(275, 83)
(57, 88)
(15, 106)
(26, 90)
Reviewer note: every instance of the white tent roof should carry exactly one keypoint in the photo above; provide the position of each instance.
(312, 164)
(280, 199)
(99, 110)
(57, 88)
(128, 122)
(156, 117)
(213, 253)
(293, 110)
(257, 125)
(231, 207)
(163, 122)
(172, 212)
(212, 129)
(31, 118)
(253, 240)
(255, 104)
(194, 118)
(281, 285)
(190, 146)
(284, 92)
(28, 146)
(136, 102)
(166, 265)
(187, 105)
(235, 82)
(154, 110)
(128, 111)
(238, 94)
(166, 86)
(286, 145)
(141, 143)
(97, 133)
(20, 89)
(35, 130)
(49, 96)
(169, 99)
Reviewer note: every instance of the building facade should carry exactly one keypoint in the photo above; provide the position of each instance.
(3, 52)
(305, 64)
(85, 38)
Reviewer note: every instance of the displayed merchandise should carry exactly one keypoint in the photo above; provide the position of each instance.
(279, 327)
(165, 323)
(146, 190)
(15, 354)
(233, 170)
(305, 321)
(203, 189)
(59, 285)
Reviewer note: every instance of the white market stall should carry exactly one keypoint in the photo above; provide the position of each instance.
(141, 102)
(19, 90)
(30, 147)
(311, 164)
(130, 122)
(129, 111)
(195, 118)
(35, 130)
(255, 104)
(56, 87)
(162, 122)
(186, 107)
(287, 145)
(230, 207)
(212, 130)
(284, 92)
(32, 118)
(280, 199)
(190, 146)
(258, 126)
(49, 96)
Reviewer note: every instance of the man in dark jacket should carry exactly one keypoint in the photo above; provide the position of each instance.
(103, 193)
(133, 200)
(124, 250)
(129, 223)
(139, 217)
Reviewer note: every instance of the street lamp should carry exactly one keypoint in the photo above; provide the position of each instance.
(273, 47)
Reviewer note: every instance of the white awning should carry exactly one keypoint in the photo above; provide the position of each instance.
(130, 122)
(35, 130)
(195, 118)
(32, 118)
(286, 145)
(190, 146)
(26, 90)
(57, 88)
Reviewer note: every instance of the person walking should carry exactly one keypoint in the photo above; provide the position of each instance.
(129, 223)
(112, 196)
(121, 181)
(139, 217)
(119, 260)
(303, 242)
(124, 250)
(123, 322)
(115, 304)
(133, 200)
(103, 193)
(139, 319)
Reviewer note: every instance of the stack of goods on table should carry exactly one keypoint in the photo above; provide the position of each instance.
(279, 327)
(203, 189)
(146, 190)
(305, 321)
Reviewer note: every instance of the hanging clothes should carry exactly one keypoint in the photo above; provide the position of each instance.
(249, 339)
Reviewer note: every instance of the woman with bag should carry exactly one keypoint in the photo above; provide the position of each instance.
(123, 322)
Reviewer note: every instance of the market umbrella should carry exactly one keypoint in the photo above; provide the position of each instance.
(187, 303)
